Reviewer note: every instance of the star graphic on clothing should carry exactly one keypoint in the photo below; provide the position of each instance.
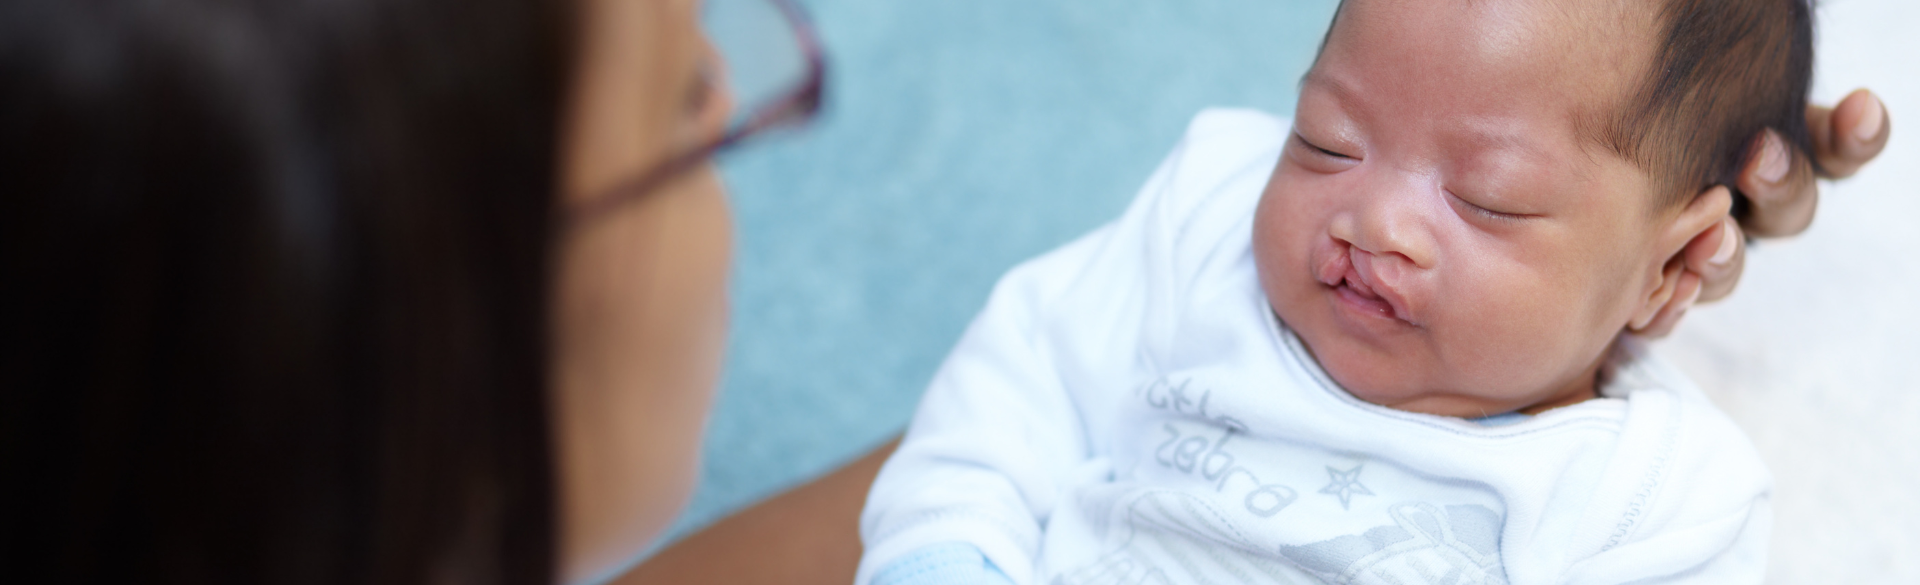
(1345, 484)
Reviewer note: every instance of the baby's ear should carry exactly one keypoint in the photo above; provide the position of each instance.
(1677, 288)
(1708, 208)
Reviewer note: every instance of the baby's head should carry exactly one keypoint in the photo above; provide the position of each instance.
(1482, 194)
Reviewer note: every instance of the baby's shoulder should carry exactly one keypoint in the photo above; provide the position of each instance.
(1222, 161)
(1199, 200)
(1663, 401)
(1195, 213)
(1683, 472)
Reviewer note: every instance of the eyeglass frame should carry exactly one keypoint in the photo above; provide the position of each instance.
(797, 106)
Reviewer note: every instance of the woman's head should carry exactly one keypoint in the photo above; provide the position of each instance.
(639, 306)
(292, 293)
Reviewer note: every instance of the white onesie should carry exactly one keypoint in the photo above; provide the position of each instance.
(1127, 409)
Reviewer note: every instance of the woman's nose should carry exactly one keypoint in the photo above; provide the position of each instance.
(1390, 216)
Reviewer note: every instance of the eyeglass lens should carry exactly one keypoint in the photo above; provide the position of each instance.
(765, 60)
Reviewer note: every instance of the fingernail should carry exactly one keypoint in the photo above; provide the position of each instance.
(1728, 243)
(1773, 162)
(1870, 125)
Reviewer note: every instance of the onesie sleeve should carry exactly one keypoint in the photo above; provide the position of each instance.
(1730, 550)
(1004, 426)
(1708, 522)
(953, 563)
(994, 439)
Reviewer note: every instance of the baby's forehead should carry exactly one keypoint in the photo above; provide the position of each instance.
(1584, 45)
(1508, 94)
(1580, 60)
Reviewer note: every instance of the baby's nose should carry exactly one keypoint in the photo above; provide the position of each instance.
(1392, 224)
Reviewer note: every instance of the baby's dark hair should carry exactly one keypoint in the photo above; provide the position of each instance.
(1724, 70)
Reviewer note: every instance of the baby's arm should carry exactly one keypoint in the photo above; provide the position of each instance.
(1709, 524)
(995, 436)
(1004, 426)
(1727, 550)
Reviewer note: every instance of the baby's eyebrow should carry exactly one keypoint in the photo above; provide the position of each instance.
(1497, 154)
(1492, 138)
(1343, 92)
(1480, 135)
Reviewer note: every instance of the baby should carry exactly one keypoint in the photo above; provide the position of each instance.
(1381, 343)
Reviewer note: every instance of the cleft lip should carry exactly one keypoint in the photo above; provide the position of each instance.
(1366, 267)
(1342, 264)
(1335, 264)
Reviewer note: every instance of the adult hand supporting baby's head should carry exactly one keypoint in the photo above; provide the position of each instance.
(1781, 188)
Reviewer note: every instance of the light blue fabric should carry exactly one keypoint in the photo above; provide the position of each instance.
(959, 137)
(953, 563)
(1501, 420)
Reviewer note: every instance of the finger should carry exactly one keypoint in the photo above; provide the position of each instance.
(1717, 257)
(1849, 135)
(1685, 294)
(1780, 189)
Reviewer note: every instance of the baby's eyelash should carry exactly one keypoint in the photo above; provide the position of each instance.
(1488, 213)
(1316, 147)
(1494, 214)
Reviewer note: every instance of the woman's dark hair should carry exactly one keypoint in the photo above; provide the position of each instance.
(275, 290)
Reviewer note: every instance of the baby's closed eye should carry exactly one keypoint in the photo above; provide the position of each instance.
(1485, 210)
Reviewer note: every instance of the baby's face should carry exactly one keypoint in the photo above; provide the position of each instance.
(1438, 231)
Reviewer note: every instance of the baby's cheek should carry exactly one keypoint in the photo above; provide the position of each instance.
(1508, 331)
(1282, 234)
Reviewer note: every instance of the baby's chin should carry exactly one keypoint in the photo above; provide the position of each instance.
(1391, 384)
(1378, 358)
(1442, 404)
(1400, 382)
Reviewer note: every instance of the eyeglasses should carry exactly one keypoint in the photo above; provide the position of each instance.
(774, 66)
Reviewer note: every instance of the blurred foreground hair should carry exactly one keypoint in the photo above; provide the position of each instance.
(275, 281)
